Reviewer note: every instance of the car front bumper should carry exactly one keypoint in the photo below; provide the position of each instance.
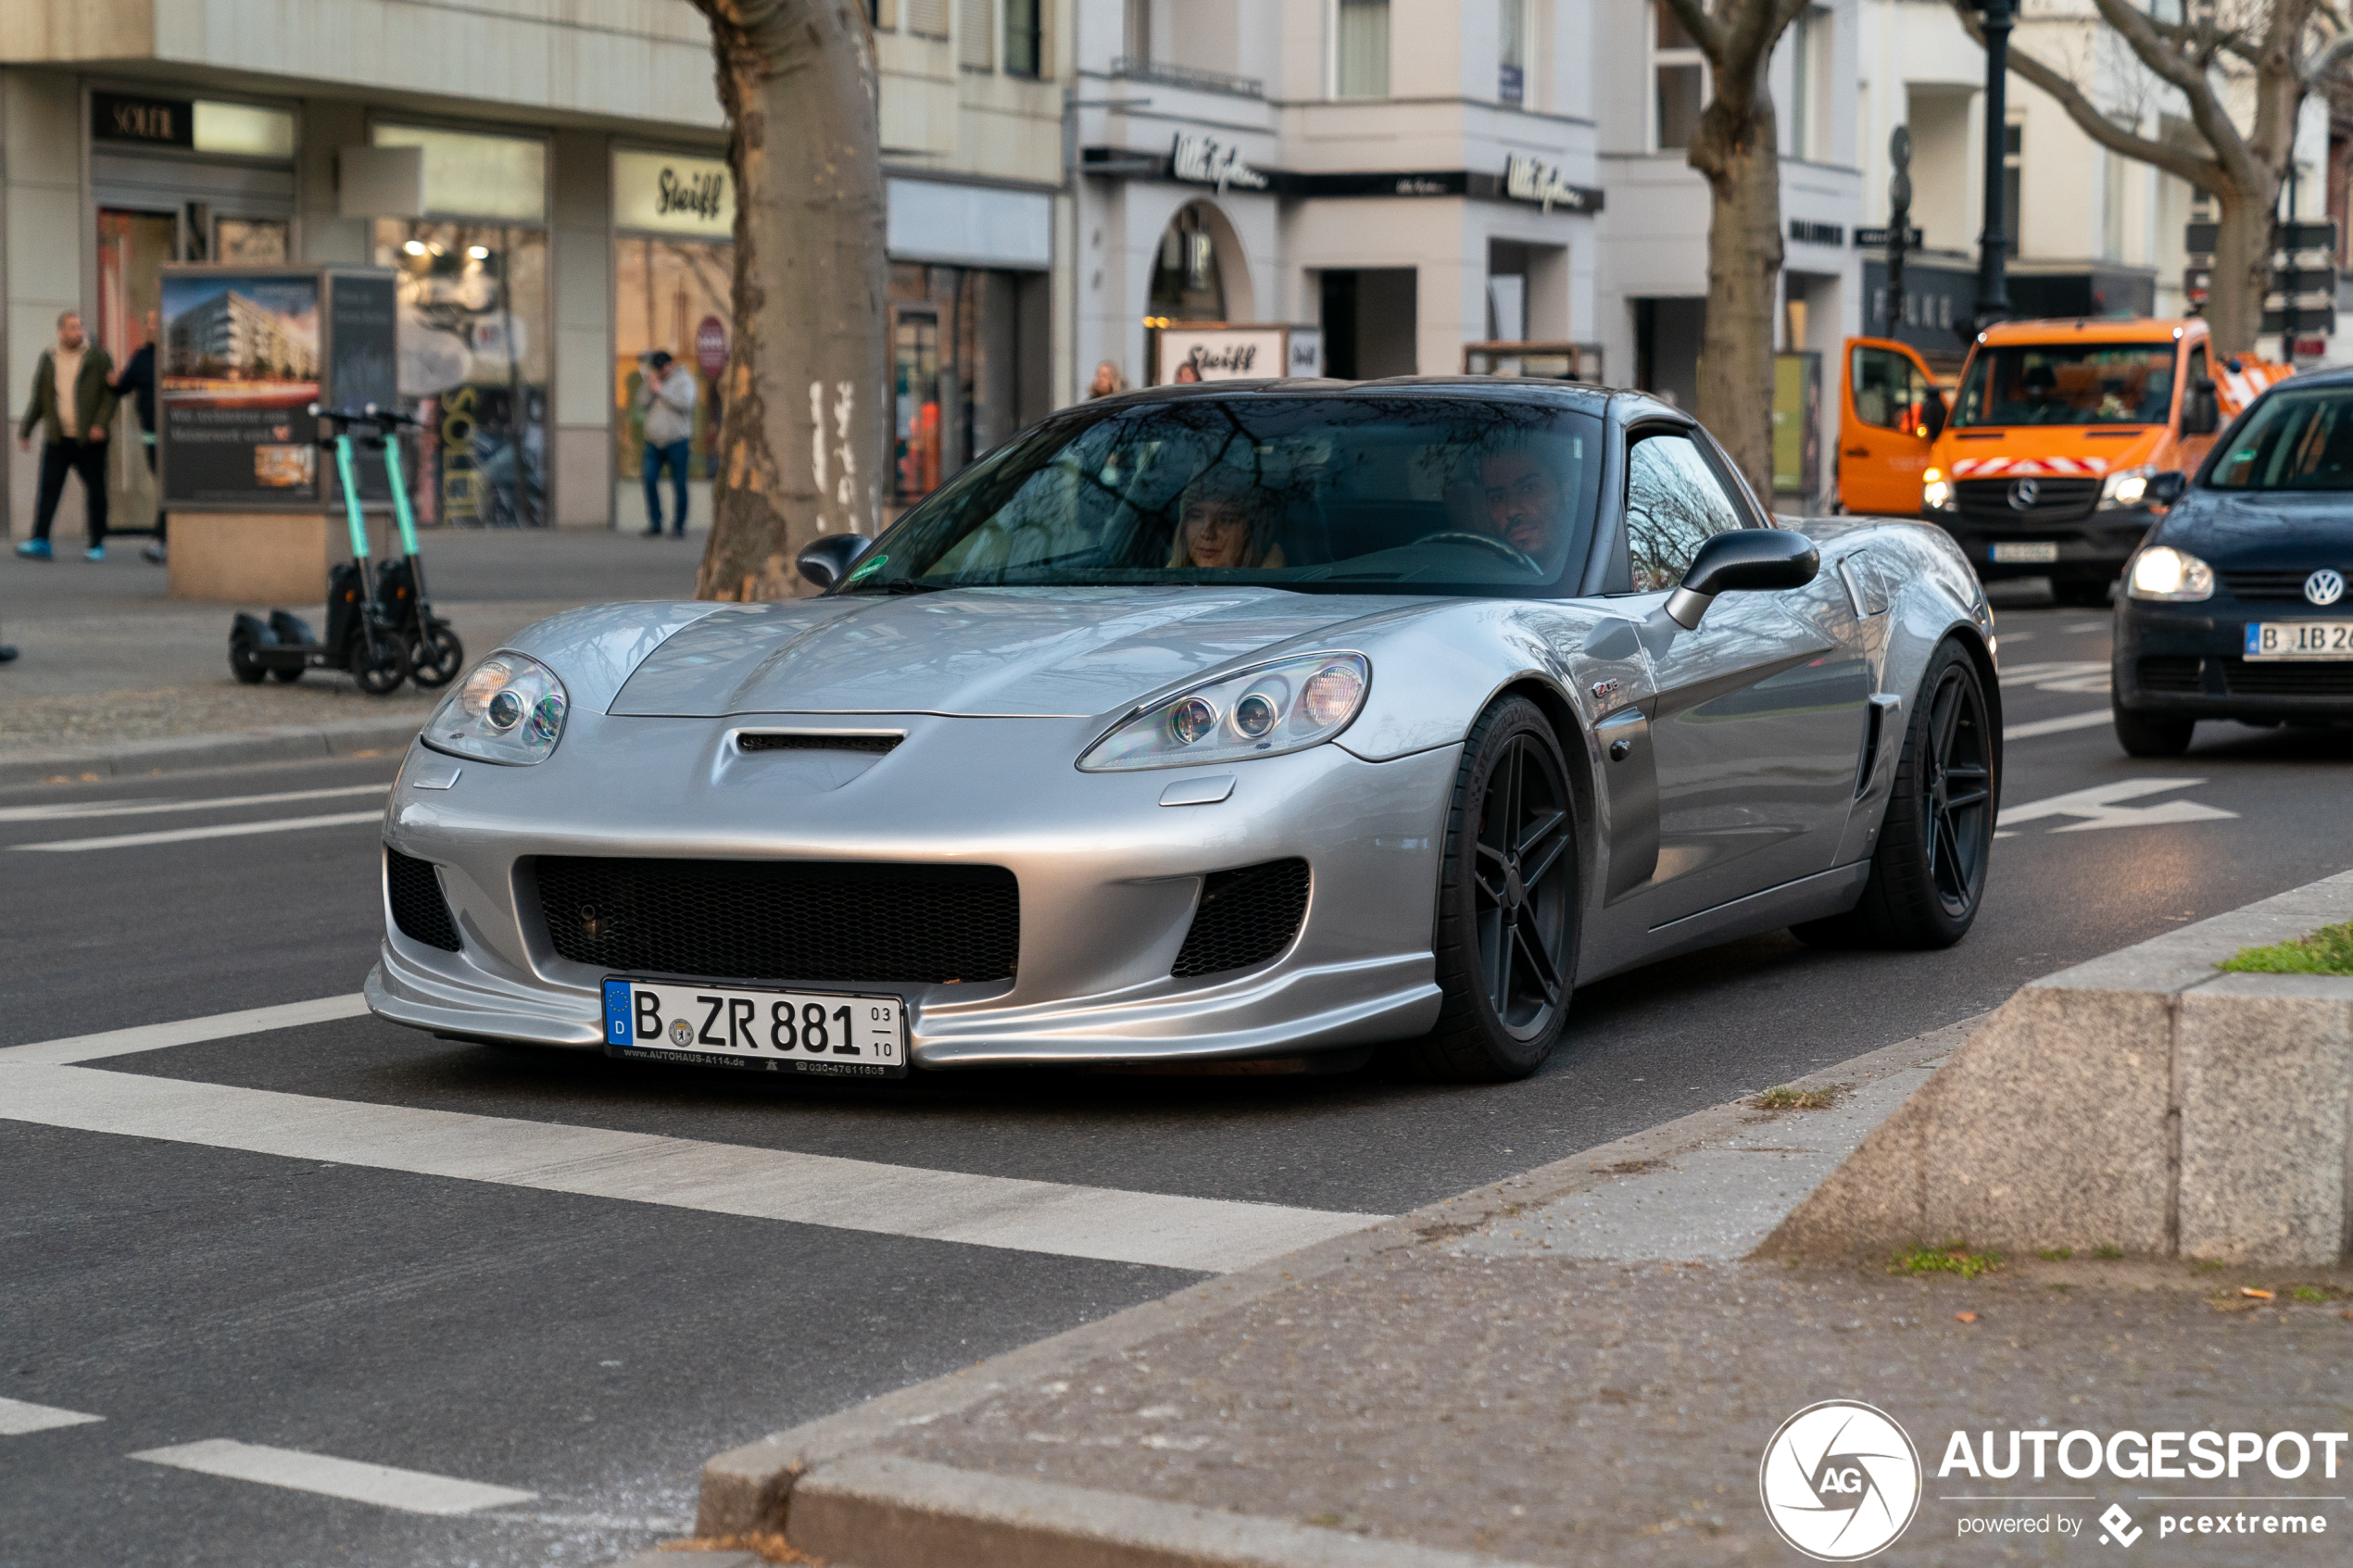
(1108, 880)
(2096, 546)
(2188, 662)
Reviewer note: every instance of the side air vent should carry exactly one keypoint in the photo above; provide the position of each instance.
(417, 908)
(757, 740)
(1245, 917)
(2178, 674)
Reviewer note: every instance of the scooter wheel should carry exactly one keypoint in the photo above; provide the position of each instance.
(381, 672)
(244, 663)
(435, 658)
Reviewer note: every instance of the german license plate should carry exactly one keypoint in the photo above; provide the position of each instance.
(2299, 639)
(830, 1032)
(2032, 552)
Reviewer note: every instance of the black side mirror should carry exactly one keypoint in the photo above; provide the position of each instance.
(827, 560)
(2166, 488)
(1933, 413)
(1747, 558)
(2201, 413)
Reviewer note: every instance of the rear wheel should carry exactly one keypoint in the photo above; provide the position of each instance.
(380, 669)
(1506, 904)
(2144, 734)
(1927, 874)
(245, 662)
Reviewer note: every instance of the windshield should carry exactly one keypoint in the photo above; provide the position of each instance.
(2291, 440)
(2086, 384)
(1361, 494)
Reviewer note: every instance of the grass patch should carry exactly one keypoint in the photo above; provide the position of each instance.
(2057, 1254)
(2212, 1266)
(1951, 1258)
(2327, 952)
(1785, 1099)
(2306, 1293)
(2107, 1254)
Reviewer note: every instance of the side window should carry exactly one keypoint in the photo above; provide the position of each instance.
(1889, 391)
(1674, 500)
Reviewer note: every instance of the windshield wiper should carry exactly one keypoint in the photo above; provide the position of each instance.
(901, 585)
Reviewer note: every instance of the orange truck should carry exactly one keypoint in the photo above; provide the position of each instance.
(2040, 463)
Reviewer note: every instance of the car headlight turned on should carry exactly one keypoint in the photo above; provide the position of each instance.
(510, 710)
(1286, 705)
(2163, 572)
(1936, 491)
(2127, 487)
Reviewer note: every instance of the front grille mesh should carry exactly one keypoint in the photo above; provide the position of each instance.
(1245, 917)
(418, 906)
(2171, 672)
(2263, 678)
(784, 919)
(2055, 500)
(2267, 586)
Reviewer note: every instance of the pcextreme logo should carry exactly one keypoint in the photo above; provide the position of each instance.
(1840, 1480)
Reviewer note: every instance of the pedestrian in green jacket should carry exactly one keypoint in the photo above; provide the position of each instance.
(73, 404)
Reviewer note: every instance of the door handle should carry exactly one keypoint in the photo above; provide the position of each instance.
(1858, 451)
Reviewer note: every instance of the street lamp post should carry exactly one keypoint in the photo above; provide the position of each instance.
(1992, 242)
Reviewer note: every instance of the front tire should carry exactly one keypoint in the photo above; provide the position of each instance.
(435, 658)
(2143, 734)
(381, 670)
(1507, 894)
(1927, 874)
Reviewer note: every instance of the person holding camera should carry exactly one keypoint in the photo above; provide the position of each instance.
(666, 402)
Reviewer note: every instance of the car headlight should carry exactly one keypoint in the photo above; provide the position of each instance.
(1936, 491)
(511, 709)
(2163, 572)
(1277, 708)
(2127, 487)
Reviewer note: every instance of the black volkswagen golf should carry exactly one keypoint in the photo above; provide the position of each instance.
(2235, 605)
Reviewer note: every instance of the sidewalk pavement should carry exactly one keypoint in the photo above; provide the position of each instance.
(113, 677)
(1573, 1367)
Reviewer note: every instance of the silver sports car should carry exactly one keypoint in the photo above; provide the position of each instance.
(1243, 720)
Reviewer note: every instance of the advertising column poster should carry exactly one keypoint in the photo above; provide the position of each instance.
(240, 368)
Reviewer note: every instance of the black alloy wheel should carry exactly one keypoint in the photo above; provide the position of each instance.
(1928, 874)
(435, 658)
(243, 662)
(1507, 903)
(379, 667)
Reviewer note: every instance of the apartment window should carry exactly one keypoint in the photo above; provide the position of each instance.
(928, 17)
(884, 14)
(1139, 32)
(2013, 171)
(1360, 54)
(1023, 48)
(2112, 208)
(974, 24)
(1678, 76)
(1511, 60)
(1810, 85)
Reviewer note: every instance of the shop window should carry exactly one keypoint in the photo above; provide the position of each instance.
(1186, 283)
(474, 176)
(674, 295)
(1678, 82)
(242, 129)
(1511, 58)
(1360, 49)
(964, 348)
(1025, 42)
(473, 366)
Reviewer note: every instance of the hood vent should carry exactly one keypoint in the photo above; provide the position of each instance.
(769, 740)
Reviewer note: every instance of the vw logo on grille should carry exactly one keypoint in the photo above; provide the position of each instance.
(2325, 586)
(2024, 493)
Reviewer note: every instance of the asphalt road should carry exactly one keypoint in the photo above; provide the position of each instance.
(591, 1350)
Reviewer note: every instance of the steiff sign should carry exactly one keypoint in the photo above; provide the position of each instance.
(1205, 160)
(673, 194)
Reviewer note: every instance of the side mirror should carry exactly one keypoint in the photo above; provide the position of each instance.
(2201, 414)
(1934, 414)
(2166, 488)
(1747, 558)
(827, 560)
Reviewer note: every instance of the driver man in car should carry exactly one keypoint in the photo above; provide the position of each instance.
(1526, 505)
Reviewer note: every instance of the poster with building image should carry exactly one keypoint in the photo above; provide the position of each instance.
(240, 367)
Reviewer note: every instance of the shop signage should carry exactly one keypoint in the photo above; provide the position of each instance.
(673, 194)
(159, 122)
(1223, 351)
(1205, 160)
(710, 347)
(1527, 178)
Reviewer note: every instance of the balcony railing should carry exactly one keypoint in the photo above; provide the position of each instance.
(1169, 75)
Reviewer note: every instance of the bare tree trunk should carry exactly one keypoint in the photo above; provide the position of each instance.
(801, 442)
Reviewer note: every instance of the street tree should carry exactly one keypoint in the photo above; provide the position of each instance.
(2242, 68)
(801, 435)
(1737, 149)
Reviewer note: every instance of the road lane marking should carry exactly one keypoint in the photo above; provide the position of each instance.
(17, 1418)
(2101, 807)
(411, 1491)
(2059, 675)
(220, 830)
(186, 1031)
(63, 812)
(1210, 1235)
(2059, 726)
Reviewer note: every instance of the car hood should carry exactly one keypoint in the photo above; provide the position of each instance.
(2255, 530)
(997, 652)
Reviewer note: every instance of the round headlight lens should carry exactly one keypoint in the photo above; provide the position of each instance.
(505, 710)
(1190, 719)
(1255, 714)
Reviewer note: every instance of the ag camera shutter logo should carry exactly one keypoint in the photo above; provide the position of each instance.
(1840, 1481)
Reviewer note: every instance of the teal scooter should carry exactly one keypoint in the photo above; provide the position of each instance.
(436, 656)
(360, 637)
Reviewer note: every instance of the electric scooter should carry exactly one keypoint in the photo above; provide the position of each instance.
(434, 653)
(360, 638)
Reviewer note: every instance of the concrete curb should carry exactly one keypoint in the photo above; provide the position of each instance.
(291, 743)
(758, 1488)
(2145, 1100)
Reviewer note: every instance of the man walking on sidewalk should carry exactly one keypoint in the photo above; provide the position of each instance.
(73, 405)
(668, 390)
